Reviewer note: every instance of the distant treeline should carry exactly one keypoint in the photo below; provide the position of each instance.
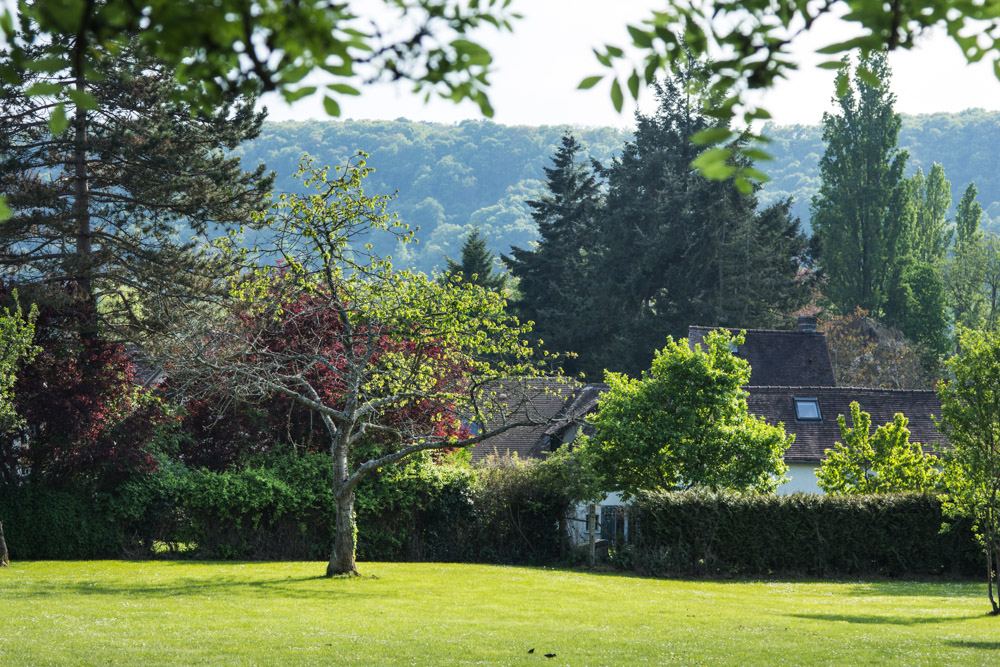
(477, 174)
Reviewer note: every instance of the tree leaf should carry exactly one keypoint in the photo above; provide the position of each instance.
(711, 135)
(589, 82)
(617, 98)
(58, 121)
(331, 106)
(43, 88)
(82, 99)
(343, 89)
(633, 85)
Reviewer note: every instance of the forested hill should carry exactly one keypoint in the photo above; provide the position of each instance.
(450, 178)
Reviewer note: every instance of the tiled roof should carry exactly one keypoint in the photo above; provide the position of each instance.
(812, 438)
(781, 357)
(543, 401)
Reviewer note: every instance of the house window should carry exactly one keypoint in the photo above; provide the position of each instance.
(807, 410)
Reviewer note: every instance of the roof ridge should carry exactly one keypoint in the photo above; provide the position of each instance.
(749, 330)
(843, 387)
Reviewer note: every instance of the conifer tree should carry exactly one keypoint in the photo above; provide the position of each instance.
(859, 213)
(553, 276)
(106, 212)
(678, 249)
(478, 265)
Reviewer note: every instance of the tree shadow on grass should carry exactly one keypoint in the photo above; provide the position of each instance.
(936, 589)
(965, 643)
(288, 587)
(871, 619)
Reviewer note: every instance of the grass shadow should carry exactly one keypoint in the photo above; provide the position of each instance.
(289, 587)
(965, 643)
(872, 619)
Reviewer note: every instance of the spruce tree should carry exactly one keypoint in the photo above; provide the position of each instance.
(478, 264)
(108, 213)
(678, 249)
(553, 277)
(859, 213)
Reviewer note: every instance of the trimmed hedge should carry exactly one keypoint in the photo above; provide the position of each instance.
(718, 534)
(58, 524)
(285, 510)
(503, 513)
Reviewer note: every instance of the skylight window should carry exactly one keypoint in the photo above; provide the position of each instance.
(807, 410)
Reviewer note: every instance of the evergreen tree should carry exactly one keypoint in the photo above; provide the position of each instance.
(478, 264)
(108, 212)
(678, 249)
(859, 213)
(553, 276)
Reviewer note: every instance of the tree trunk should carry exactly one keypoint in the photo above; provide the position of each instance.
(992, 576)
(592, 534)
(345, 539)
(83, 257)
(4, 556)
(346, 536)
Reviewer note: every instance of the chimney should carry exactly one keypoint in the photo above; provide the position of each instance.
(807, 323)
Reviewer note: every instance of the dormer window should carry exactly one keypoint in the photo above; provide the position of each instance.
(807, 410)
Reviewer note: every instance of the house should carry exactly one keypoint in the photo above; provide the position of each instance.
(792, 382)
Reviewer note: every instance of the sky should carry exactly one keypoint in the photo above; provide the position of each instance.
(538, 67)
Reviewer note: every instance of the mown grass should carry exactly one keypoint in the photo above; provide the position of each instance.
(186, 613)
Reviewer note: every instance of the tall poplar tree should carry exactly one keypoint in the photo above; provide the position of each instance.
(932, 199)
(107, 211)
(859, 213)
(967, 269)
(917, 295)
(553, 276)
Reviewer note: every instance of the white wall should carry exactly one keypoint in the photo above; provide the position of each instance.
(801, 479)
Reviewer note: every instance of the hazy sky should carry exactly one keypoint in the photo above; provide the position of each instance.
(539, 66)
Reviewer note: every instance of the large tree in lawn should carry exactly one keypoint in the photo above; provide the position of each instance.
(381, 357)
(108, 208)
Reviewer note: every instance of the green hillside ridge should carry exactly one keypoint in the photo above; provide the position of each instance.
(451, 178)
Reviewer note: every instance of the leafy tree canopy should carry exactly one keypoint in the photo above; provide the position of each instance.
(970, 417)
(758, 38)
(685, 423)
(881, 462)
(17, 331)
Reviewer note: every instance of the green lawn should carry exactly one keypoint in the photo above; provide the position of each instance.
(147, 613)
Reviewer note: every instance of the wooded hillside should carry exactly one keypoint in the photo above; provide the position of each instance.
(451, 178)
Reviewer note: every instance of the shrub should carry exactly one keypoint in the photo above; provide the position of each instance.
(733, 535)
(41, 523)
